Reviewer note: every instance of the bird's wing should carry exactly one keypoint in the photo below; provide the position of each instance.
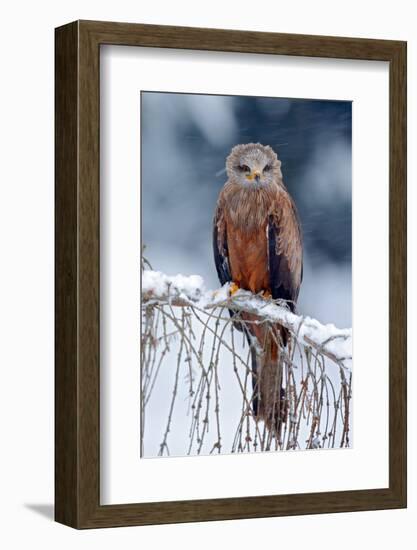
(285, 251)
(221, 252)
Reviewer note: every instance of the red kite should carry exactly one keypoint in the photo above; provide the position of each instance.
(258, 247)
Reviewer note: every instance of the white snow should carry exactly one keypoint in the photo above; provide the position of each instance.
(157, 285)
(160, 287)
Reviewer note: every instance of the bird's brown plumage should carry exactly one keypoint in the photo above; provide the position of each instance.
(258, 245)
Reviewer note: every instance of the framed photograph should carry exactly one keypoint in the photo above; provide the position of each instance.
(230, 274)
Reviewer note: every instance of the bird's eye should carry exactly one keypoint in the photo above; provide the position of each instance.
(244, 168)
(267, 168)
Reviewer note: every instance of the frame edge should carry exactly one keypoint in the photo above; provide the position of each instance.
(66, 268)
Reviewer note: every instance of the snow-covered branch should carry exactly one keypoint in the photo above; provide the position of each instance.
(188, 337)
(180, 290)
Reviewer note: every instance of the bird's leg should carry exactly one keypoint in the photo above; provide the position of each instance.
(233, 288)
(266, 295)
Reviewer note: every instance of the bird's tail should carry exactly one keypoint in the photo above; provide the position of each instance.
(268, 398)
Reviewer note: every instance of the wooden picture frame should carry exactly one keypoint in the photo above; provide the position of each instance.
(77, 373)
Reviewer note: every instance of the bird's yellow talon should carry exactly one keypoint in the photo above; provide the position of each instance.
(266, 295)
(233, 289)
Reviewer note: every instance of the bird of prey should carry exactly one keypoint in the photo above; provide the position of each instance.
(257, 246)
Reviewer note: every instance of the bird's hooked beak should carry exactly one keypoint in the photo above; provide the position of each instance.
(254, 175)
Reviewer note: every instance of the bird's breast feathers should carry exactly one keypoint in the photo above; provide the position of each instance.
(247, 214)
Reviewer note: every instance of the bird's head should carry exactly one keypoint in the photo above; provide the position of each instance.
(253, 164)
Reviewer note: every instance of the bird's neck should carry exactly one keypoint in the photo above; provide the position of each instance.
(248, 206)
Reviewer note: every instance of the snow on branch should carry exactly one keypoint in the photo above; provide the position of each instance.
(180, 290)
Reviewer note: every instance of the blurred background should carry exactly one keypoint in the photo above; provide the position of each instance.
(185, 139)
